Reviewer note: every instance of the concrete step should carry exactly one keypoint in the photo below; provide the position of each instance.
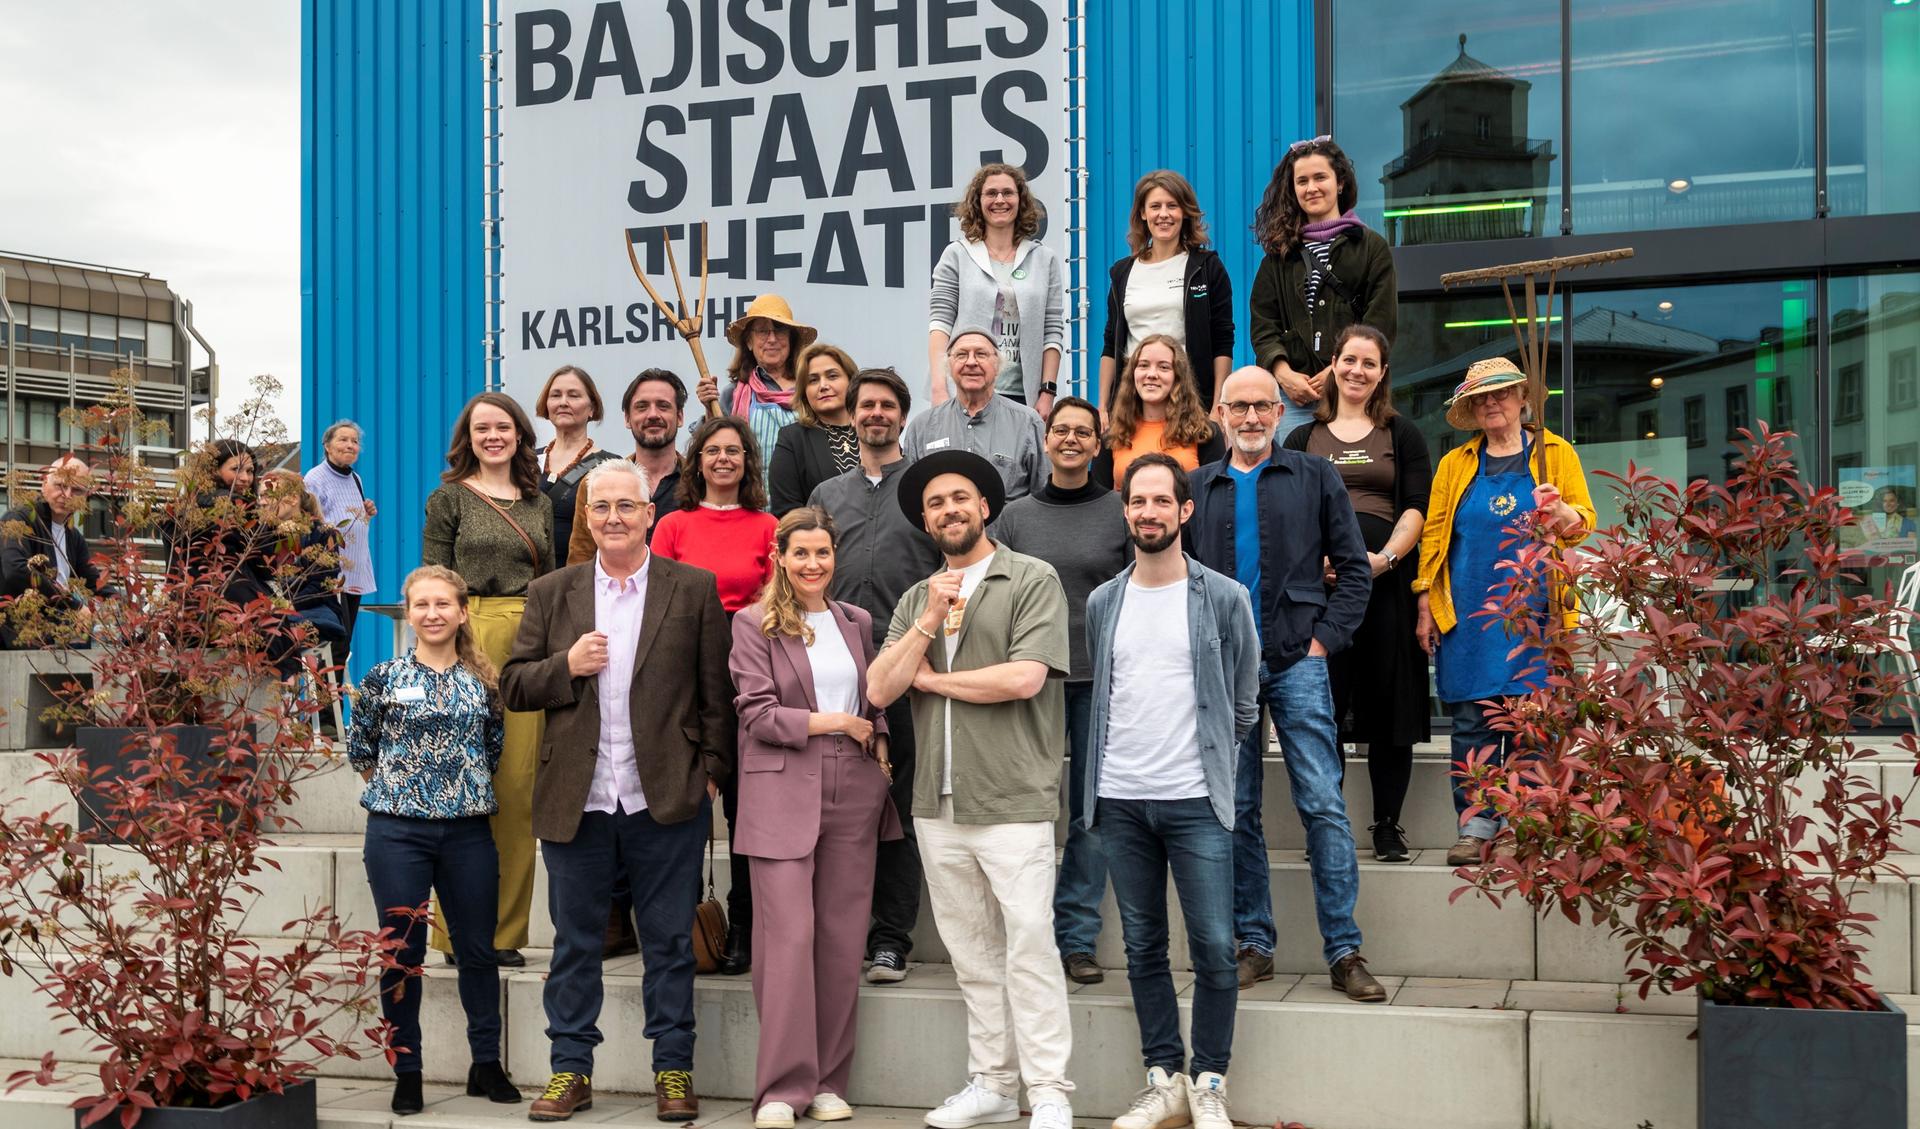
(1576, 1056)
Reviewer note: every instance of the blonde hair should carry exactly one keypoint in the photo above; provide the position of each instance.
(780, 611)
(802, 409)
(465, 647)
(294, 486)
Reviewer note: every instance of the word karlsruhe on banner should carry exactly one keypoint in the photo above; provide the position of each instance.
(822, 144)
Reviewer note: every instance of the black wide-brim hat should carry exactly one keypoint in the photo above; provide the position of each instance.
(913, 482)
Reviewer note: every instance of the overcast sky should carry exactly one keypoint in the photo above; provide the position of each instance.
(165, 137)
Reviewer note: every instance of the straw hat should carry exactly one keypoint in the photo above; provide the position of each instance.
(775, 309)
(1489, 375)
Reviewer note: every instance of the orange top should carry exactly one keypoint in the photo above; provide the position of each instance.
(1147, 436)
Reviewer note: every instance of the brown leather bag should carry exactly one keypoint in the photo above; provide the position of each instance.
(709, 926)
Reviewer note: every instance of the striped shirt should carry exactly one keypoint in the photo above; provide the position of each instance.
(343, 502)
(432, 739)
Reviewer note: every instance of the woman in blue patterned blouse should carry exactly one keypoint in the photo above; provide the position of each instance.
(427, 733)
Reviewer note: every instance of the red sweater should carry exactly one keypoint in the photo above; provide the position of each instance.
(736, 546)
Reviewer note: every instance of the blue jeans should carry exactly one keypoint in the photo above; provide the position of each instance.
(405, 859)
(1083, 866)
(1471, 731)
(1143, 839)
(662, 864)
(1300, 702)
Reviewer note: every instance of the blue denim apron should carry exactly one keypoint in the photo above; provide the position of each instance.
(1473, 662)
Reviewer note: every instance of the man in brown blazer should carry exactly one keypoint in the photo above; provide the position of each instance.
(627, 654)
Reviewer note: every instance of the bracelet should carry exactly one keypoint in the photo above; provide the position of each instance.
(930, 635)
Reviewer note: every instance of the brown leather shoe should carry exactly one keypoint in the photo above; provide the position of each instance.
(1466, 852)
(673, 1096)
(566, 1094)
(1081, 968)
(1350, 975)
(1255, 966)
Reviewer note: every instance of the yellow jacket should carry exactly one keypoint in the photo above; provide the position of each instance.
(1450, 481)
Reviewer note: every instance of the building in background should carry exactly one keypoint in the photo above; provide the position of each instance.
(64, 328)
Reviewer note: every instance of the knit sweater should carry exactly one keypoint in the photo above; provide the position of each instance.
(1083, 535)
(736, 546)
(343, 502)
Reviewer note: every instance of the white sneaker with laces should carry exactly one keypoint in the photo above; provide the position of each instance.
(829, 1107)
(1162, 1105)
(975, 1105)
(773, 1115)
(1051, 1115)
(1207, 1102)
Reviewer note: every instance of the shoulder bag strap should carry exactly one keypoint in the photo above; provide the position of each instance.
(532, 549)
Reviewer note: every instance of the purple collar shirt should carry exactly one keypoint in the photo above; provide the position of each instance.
(617, 607)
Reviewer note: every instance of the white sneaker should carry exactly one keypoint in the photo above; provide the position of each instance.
(1207, 1102)
(1162, 1105)
(975, 1105)
(1051, 1115)
(829, 1107)
(773, 1115)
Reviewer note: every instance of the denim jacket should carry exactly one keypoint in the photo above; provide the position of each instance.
(1226, 677)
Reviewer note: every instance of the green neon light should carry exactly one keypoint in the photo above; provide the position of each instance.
(1451, 209)
(1492, 321)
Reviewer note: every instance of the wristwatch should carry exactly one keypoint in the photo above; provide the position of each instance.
(1049, 388)
(1393, 558)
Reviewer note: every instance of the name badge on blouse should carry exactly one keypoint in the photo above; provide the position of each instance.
(410, 694)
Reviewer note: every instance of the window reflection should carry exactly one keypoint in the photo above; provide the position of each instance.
(1873, 85)
(1874, 338)
(1691, 113)
(1457, 109)
(1439, 340)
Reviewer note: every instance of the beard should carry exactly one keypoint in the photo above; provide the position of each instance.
(1249, 446)
(879, 436)
(1153, 543)
(663, 438)
(959, 540)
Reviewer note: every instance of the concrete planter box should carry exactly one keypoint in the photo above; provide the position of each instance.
(293, 1108)
(1762, 1067)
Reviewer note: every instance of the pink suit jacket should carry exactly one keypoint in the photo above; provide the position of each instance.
(779, 763)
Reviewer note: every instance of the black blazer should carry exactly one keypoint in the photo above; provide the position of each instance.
(18, 576)
(1209, 315)
(801, 461)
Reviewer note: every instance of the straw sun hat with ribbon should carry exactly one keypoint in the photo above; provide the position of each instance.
(1489, 375)
(775, 309)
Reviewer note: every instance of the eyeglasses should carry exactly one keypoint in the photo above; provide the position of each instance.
(1256, 407)
(999, 193)
(1320, 140)
(625, 507)
(1062, 431)
(716, 452)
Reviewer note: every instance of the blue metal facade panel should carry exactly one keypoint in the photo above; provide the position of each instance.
(1214, 90)
(392, 250)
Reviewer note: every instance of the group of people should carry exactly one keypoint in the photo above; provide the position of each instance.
(876, 641)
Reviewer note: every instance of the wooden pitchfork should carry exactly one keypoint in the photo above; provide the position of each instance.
(1533, 340)
(686, 323)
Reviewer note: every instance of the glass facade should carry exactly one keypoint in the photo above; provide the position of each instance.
(1873, 89)
(1873, 335)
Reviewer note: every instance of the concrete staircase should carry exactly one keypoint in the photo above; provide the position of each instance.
(1495, 1018)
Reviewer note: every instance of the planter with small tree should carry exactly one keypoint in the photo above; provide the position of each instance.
(1683, 778)
(131, 918)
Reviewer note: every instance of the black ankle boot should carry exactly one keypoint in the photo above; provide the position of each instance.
(487, 1080)
(406, 1094)
(738, 957)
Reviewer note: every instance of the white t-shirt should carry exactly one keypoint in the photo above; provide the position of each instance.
(950, 637)
(836, 681)
(1153, 737)
(1156, 300)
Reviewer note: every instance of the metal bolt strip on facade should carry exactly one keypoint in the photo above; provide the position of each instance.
(396, 253)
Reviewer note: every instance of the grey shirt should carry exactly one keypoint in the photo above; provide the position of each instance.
(1086, 543)
(1005, 433)
(965, 289)
(880, 554)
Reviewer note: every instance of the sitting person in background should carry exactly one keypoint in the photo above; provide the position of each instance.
(305, 551)
(41, 551)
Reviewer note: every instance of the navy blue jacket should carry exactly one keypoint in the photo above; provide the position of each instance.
(1305, 515)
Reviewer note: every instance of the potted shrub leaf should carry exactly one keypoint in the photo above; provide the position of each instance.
(1688, 777)
(133, 919)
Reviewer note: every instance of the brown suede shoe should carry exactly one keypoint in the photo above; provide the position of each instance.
(673, 1096)
(1081, 968)
(566, 1094)
(1466, 852)
(1350, 975)
(1255, 966)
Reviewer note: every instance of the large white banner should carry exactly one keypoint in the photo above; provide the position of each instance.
(822, 142)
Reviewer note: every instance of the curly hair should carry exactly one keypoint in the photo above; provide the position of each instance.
(463, 464)
(973, 217)
(1279, 218)
(781, 613)
(753, 481)
(1193, 221)
(1187, 423)
(802, 407)
(1380, 407)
